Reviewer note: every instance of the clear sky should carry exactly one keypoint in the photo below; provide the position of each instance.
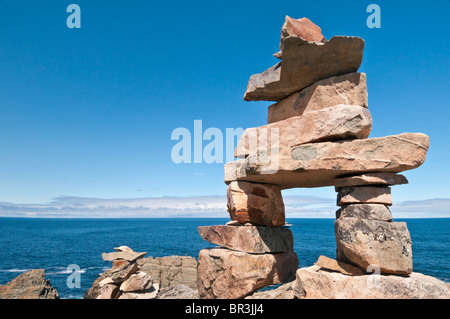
(89, 112)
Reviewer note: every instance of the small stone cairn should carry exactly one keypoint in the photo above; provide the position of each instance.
(125, 280)
(317, 135)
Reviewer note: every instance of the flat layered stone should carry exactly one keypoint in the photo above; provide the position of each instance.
(123, 255)
(348, 89)
(151, 293)
(383, 246)
(378, 178)
(319, 164)
(228, 274)
(305, 63)
(258, 204)
(339, 266)
(341, 122)
(250, 239)
(364, 194)
(366, 211)
(317, 283)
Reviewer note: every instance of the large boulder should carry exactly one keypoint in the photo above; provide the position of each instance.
(341, 122)
(228, 274)
(250, 239)
(258, 204)
(373, 244)
(319, 164)
(29, 285)
(348, 89)
(317, 283)
(303, 64)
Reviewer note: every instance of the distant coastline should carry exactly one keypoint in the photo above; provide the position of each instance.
(201, 207)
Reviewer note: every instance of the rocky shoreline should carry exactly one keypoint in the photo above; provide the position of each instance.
(29, 285)
(175, 277)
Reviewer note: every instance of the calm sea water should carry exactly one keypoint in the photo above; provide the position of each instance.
(54, 244)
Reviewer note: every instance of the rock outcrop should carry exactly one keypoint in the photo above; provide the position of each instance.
(317, 283)
(136, 277)
(29, 285)
(171, 271)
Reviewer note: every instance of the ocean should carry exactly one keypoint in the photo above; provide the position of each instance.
(54, 244)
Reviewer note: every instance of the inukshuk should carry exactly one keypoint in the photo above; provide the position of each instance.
(317, 135)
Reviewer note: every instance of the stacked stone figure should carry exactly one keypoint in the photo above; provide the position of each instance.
(317, 135)
(365, 234)
(125, 280)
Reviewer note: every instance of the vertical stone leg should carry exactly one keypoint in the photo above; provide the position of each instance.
(365, 234)
(257, 204)
(255, 251)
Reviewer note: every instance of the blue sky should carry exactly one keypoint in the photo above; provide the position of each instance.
(89, 112)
